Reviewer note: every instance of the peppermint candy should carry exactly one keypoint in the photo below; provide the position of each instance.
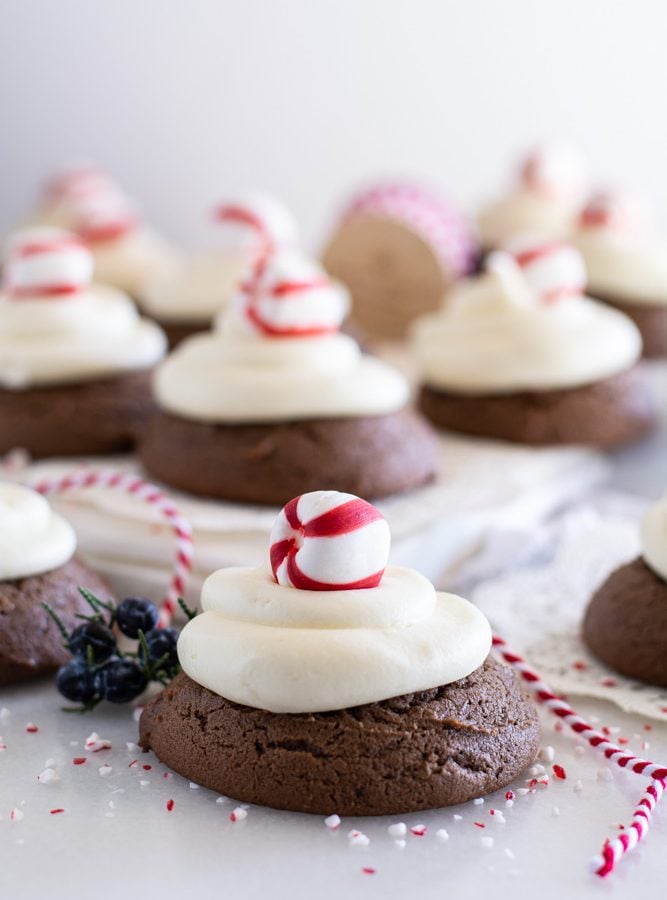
(257, 224)
(553, 270)
(46, 262)
(555, 171)
(329, 541)
(289, 295)
(611, 210)
(95, 205)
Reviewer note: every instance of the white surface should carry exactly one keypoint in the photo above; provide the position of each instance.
(187, 103)
(137, 848)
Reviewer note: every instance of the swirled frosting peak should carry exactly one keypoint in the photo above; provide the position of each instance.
(298, 649)
(654, 537)
(57, 327)
(276, 355)
(543, 200)
(33, 539)
(625, 259)
(500, 333)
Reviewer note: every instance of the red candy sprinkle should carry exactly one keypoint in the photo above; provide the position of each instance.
(170, 805)
(559, 772)
(31, 729)
(418, 830)
(367, 870)
(79, 760)
(147, 768)
(479, 824)
(509, 795)
(56, 811)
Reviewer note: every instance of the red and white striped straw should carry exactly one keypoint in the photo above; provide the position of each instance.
(615, 849)
(149, 493)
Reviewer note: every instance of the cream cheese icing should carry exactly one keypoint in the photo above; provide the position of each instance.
(495, 334)
(33, 539)
(624, 259)
(55, 327)
(276, 355)
(654, 537)
(543, 202)
(287, 650)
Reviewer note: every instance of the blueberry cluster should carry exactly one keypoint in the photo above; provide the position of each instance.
(99, 669)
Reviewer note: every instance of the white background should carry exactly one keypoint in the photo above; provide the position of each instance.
(187, 101)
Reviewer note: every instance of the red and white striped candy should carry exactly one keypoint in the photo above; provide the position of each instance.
(329, 541)
(257, 223)
(555, 171)
(289, 295)
(93, 204)
(554, 270)
(611, 210)
(45, 263)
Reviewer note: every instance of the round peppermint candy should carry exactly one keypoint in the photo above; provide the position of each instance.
(553, 269)
(46, 262)
(329, 541)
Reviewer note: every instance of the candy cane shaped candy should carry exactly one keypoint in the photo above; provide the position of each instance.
(553, 269)
(329, 541)
(143, 490)
(289, 295)
(46, 262)
(92, 203)
(612, 850)
(257, 222)
(555, 171)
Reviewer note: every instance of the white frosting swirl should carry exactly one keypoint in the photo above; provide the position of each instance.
(624, 265)
(33, 539)
(94, 333)
(493, 335)
(235, 374)
(654, 537)
(543, 203)
(294, 651)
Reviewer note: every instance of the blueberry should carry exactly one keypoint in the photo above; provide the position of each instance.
(122, 680)
(161, 642)
(99, 637)
(76, 682)
(136, 614)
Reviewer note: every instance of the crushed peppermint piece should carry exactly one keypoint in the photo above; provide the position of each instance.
(94, 743)
(509, 795)
(31, 728)
(478, 801)
(79, 761)
(193, 786)
(509, 803)
(442, 834)
(368, 870)
(547, 753)
(54, 812)
(358, 838)
(559, 772)
(170, 805)
(522, 792)
(418, 830)
(48, 776)
(222, 799)
(3, 746)
(16, 814)
(456, 817)
(487, 842)
(238, 814)
(130, 746)
(605, 774)
(536, 770)
(146, 767)
(398, 829)
(331, 822)
(498, 816)
(105, 770)
(400, 843)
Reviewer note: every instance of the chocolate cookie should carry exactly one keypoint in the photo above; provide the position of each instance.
(626, 623)
(613, 411)
(90, 417)
(30, 643)
(419, 751)
(650, 319)
(371, 456)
